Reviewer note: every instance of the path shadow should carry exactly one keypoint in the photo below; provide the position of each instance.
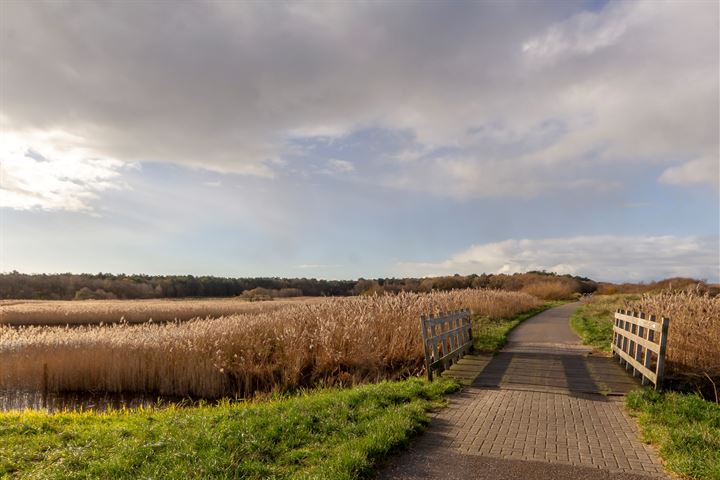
(573, 374)
(578, 376)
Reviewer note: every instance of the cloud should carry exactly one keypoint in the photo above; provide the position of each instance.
(705, 170)
(587, 32)
(565, 97)
(340, 166)
(605, 257)
(53, 174)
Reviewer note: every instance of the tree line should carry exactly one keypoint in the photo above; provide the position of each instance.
(69, 286)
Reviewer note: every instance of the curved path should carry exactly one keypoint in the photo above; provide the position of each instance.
(544, 407)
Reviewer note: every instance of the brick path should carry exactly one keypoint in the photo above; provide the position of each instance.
(535, 410)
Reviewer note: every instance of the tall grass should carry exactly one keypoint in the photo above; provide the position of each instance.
(694, 334)
(337, 341)
(551, 290)
(65, 312)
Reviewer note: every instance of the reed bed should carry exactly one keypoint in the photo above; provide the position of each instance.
(83, 312)
(694, 334)
(336, 341)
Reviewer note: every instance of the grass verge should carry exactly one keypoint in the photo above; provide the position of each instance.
(332, 433)
(685, 428)
(490, 335)
(593, 321)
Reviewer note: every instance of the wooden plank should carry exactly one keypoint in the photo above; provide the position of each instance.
(426, 352)
(431, 321)
(665, 324)
(446, 338)
(450, 333)
(635, 364)
(638, 321)
(648, 353)
(438, 362)
(638, 340)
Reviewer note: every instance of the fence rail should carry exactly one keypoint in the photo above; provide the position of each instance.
(446, 338)
(640, 344)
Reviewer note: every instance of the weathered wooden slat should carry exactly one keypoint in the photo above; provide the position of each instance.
(450, 333)
(439, 362)
(424, 330)
(663, 346)
(638, 321)
(445, 339)
(441, 320)
(638, 340)
(634, 343)
(630, 360)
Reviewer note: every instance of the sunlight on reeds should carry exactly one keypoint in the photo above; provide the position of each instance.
(694, 334)
(338, 340)
(66, 312)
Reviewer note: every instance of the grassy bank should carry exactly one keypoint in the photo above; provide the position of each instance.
(685, 428)
(593, 321)
(334, 434)
(490, 335)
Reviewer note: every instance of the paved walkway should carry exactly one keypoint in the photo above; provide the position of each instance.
(544, 407)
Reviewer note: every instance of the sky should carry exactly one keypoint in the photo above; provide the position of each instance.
(361, 139)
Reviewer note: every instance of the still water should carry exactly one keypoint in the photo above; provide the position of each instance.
(58, 402)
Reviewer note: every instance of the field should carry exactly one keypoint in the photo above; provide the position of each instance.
(336, 341)
(89, 312)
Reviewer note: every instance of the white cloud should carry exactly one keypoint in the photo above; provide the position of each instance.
(705, 170)
(605, 257)
(226, 85)
(340, 166)
(588, 32)
(48, 171)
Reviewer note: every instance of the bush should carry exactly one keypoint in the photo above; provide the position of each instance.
(86, 294)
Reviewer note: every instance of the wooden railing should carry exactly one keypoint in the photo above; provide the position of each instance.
(640, 344)
(446, 338)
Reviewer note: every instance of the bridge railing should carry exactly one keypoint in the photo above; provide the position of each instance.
(640, 344)
(446, 338)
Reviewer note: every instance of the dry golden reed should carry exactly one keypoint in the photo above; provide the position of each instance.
(694, 332)
(77, 312)
(339, 340)
(550, 290)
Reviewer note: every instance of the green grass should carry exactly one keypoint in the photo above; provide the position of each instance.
(490, 335)
(333, 433)
(685, 428)
(593, 321)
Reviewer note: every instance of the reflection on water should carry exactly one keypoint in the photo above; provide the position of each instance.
(58, 402)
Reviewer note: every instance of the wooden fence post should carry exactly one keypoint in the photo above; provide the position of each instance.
(660, 372)
(423, 329)
(648, 353)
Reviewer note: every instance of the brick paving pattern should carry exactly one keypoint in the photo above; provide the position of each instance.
(579, 430)
(542, 401)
